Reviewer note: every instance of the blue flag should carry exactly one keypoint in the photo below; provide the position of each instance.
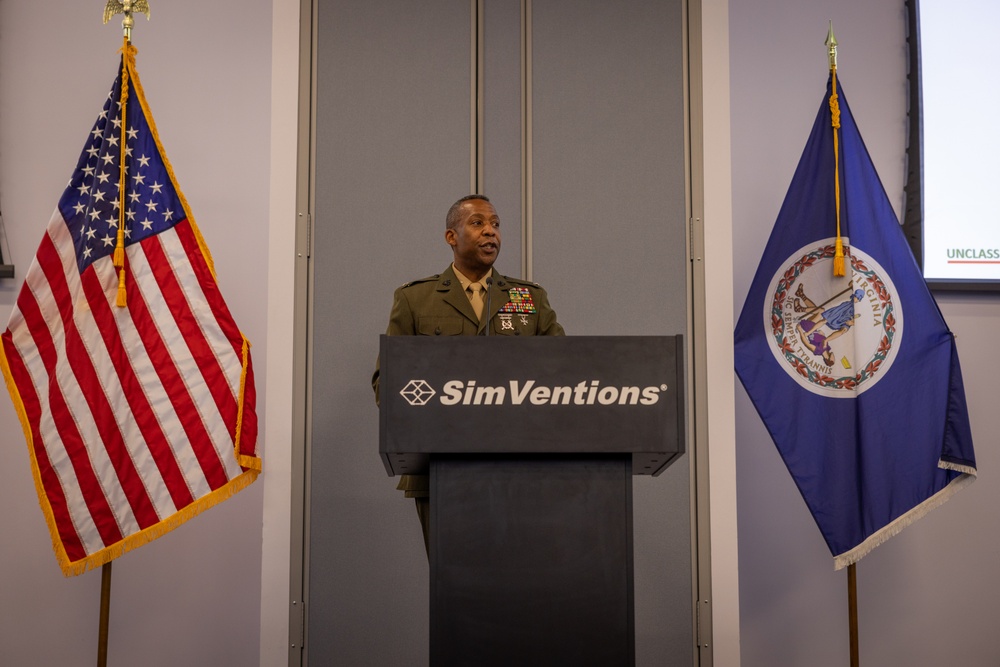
(856, 377)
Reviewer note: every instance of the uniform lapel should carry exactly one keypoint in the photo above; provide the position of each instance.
(454, 295)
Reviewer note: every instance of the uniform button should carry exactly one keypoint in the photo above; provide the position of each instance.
(446, 283)
(517, 333)
(437, 332)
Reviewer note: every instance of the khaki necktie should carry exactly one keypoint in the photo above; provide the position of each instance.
(476, 296)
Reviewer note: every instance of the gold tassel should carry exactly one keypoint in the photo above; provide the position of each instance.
(120, 301)
(838, 258)
(119, 256)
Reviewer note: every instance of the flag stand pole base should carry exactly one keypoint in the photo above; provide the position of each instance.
(102, 634)
(852, 611)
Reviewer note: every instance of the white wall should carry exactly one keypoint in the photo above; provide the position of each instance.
(928, 596)
(192, 597)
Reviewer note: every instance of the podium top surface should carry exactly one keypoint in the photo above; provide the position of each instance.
(533, 395)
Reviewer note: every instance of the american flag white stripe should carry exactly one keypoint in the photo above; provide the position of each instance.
(171, 259)
(58, 457)
(227, 356)
(124, 403)
(121, 493)
(170, 490)
(171, 311)
(193, 381)
(51, 398)
(161, 411)
(173, 390)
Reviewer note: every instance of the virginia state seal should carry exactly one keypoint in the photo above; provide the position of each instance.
(834, 336)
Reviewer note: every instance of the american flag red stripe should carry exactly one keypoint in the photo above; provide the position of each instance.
(57, 421)
(138, 414)
(122, 478)
(210, 290)
(145, 418)
(171, 372)
(193, 331)
(56, 499)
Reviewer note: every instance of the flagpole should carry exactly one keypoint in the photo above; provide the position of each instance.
(838, 270)
(112, 8)
(102, 633)
(852, 611)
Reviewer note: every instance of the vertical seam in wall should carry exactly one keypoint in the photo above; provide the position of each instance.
(480, 88)
(302, 404)
(695, 189)
(473, 96)
(526, 135)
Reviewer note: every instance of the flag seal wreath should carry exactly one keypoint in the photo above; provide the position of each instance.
(808, 314)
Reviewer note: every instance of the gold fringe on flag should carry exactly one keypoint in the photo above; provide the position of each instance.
(246, 462)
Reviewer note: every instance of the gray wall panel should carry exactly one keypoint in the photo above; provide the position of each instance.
(609, 164)
(392, 151)
(610, 233)
(502, 123)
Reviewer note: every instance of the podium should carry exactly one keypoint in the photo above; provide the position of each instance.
(531, 445)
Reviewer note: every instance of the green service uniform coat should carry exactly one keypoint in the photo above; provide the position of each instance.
(439, 306)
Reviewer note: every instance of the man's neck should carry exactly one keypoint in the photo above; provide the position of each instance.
(472, 275)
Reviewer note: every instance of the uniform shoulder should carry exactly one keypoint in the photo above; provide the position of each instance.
(519, 282)
(420, 281)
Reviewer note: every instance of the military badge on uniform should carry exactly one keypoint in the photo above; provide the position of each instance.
(520, 302)
(506, 321)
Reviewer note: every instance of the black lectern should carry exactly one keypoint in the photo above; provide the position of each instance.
(530, 445)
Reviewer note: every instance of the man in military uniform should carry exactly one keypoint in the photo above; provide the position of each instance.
(453, 303)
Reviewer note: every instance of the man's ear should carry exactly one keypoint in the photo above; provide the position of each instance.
(450, 237)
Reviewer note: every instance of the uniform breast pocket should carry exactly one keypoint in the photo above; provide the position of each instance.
(439, 326)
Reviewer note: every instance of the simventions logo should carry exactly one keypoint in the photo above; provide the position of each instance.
(585, 392)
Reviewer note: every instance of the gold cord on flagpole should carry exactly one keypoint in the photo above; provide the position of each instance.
(831, 44)
(126, 7)
(119, 256)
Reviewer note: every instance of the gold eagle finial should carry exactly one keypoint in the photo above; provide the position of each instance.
(126, 7)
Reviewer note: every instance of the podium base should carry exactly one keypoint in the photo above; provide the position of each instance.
(531, 561)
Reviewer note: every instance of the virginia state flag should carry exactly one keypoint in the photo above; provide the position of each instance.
(856, 377)
(133, 384)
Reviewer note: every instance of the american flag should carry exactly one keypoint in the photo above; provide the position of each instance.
(136, 417)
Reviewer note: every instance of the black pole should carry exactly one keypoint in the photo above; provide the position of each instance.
(102, 635)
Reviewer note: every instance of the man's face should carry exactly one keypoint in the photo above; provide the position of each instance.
(475, 240)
